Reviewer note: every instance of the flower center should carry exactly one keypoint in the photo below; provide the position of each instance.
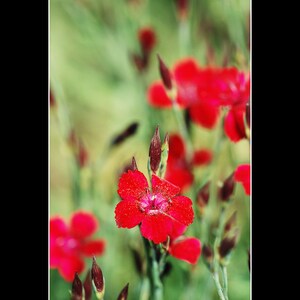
(153, 204)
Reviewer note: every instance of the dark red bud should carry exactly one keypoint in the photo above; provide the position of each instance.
(52, 99)
(87, 285)
(207, 254)
(124, 293)
(227, 244)
(182, 8)
(164, 74)
(140, 62)
(76, 288)
(230, 223)
(248, 113)
(147, 39)
(227, 189)
(155, 151)
(97, 277)
(128, 132)
(83, 155)
(203, 196)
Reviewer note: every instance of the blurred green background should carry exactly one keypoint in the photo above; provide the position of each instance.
(99, 92)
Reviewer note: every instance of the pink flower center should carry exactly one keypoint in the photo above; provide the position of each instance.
(68, 244)
(153, 204)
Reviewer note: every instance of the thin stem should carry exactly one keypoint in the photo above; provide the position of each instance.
(225, 280)
(218, 285)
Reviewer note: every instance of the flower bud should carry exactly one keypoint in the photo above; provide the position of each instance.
(164, 74)
(182, 8)
(226, 190)
(87, 285)
(125, 134)
(124, 293)
(52, 100)
(227, 245)
(98, 280)
(230, 223)
(147, 40)
(203, 197)
(76, 288)
(207, 254)
(155, 151)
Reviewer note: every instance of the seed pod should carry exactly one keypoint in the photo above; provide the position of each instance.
(227, 245)
(230, 223)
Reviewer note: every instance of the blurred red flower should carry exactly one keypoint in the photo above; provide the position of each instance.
(69, 244)
(203, 91)
(147, 39)
(242, 175)
(184, 248)
(156, 209)
(179, 169)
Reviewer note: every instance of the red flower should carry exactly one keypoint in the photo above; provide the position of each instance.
(242, 175)
(195, 91)
(147, 38)
(203, 90)
(202, 157)
(179, 169)
(156, 209)
(184, 248)
(69, 244)
(234, 89)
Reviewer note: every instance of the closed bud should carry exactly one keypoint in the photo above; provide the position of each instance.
(76, 288)
(182, 8)
(203, 197)
(230, 223)
(207, 254)
(125, 134)
(82, 156)
(147, 39)
(98, 280)
(140, 62)
(155, 151)
(124, 293)
(164, 74)
(227, 188)
(87, 285)
(227, 245)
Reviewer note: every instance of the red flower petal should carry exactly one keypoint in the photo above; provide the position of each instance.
(185, 70)
(132, 185)
(181, 177)
(83, 224)
(93, 248)
(176, 147)
(156, 228)
(205, 114)
(69, 265)
(242, 175)
(164, 187)
(157, 96)
(177, 230)
(127, 214)
(187, 249)
(181, 210)
(202, 157)
(58, 227)
(234, 125)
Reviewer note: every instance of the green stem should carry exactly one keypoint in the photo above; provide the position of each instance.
(218, 285)
(153, 271)
(76, 186)
(225, 280)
